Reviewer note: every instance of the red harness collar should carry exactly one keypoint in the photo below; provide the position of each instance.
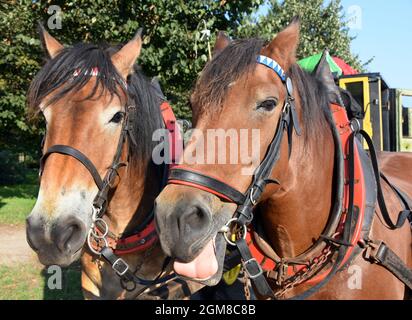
(148, 236)
(344, 128)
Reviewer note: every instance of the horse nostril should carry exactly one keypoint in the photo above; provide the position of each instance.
(34, 230)
(64, 242)
(200, 214)
(196, 218)
(68, 235)
(29, 239)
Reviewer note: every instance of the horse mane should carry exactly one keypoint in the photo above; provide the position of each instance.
(238, 58)
(56, 79)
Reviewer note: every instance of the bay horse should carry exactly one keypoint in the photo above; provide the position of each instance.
(315, 223)
(100, 112)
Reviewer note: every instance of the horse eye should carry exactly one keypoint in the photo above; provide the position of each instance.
(268, 105)
(117, 117)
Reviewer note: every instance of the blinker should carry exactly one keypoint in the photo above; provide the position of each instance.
(289, 86)
(295, 120)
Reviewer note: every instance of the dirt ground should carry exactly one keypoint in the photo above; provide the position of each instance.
(13, 246)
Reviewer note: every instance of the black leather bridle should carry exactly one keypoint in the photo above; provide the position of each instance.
(261, 177)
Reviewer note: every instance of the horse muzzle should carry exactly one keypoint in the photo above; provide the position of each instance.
(56, 242)
(188, 225)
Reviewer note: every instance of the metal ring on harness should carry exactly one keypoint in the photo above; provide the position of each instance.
(89, 243)
(95, 213)
(105, 231)
(352, 125)
(226, 229)
(252, 191)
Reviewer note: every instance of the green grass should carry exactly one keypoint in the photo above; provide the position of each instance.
(29, 282)
(16, 201)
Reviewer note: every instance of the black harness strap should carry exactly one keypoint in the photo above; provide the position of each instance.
(254, 270)
(123, 271)
(244, 212)
(261, 176)
(379, 253)
(404, 214)
(207, 182)
(403, 198)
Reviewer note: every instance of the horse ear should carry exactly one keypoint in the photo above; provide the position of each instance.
(283, 47)
(222, 41)
(50, 44)
(125, 58)
(324, 75)
(323, 72)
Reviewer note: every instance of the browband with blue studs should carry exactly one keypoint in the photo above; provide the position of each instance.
(272, 64)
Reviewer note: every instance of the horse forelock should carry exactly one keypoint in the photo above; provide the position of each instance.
(69, 74)
(238, 59)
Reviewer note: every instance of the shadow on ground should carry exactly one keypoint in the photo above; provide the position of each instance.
(70, 283)
(26, 190)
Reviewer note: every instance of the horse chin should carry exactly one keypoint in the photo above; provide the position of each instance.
(207, 267)
(50, 257)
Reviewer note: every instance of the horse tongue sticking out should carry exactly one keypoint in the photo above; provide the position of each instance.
(204, 266)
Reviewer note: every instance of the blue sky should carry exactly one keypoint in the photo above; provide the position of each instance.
(385, 34)
(383, 31)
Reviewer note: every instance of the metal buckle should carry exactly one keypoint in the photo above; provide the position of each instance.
(120, 266)
(226, 228)
(248, 262)
(372, 250)
(90, 236)
(252, 191)
(355, 125)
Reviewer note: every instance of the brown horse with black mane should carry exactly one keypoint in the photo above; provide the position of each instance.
(100, 113)
(314, 195)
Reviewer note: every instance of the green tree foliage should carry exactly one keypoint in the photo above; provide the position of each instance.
(174, 49)
(19, 61)
(322, 26)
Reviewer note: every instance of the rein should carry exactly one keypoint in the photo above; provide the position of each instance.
(100, 240)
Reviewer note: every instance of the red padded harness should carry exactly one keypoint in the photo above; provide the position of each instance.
(175, 138)
(344, 128)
